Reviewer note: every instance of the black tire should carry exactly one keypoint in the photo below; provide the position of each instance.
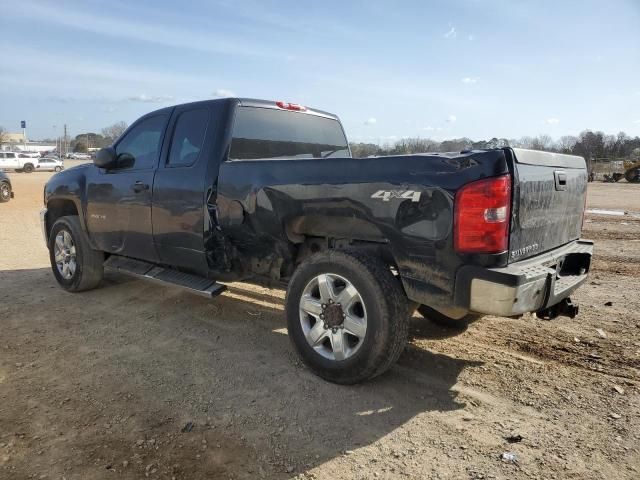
(28, 168)
(387, 312)
(5, 192)
(57, 169)
(89, 269)
(447, 322)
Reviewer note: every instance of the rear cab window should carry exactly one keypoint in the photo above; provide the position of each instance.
(188, 137)
(265, 133)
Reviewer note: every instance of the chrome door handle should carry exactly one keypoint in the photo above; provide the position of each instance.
(139, 186)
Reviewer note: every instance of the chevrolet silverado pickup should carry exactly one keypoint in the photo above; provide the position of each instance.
(250, 190)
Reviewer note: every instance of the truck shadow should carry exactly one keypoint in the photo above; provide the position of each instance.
(226, 365)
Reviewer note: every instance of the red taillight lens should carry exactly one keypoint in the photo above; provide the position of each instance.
(291, 106)
(482, 212)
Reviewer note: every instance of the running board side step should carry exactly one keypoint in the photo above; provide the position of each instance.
(149, 271)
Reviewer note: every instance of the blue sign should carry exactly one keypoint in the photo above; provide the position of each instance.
(23, 124)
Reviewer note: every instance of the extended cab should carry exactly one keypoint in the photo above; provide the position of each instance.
(251, 190)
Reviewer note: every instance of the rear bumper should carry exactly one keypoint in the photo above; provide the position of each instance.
(526, 286)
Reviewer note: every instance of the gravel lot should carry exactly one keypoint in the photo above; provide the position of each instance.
(134, 380)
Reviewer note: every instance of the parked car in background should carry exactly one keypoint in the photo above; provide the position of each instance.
(80, 156)
(13, 161)
(29, 154)
(49, 165)
(6, 192)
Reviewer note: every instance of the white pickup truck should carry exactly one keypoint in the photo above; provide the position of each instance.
(13, 161)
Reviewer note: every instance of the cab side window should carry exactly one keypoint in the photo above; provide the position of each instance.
(143, 142)
(188, 137)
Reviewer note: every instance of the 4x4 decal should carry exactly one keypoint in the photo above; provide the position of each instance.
(387, 195)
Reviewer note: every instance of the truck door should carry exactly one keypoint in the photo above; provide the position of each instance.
(12, 160)
(119, 199)
(179, 188)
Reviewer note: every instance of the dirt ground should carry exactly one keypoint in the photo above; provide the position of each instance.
(135, 380)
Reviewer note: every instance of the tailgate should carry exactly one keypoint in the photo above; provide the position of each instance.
(549, 191)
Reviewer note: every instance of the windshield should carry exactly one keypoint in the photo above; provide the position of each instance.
(265, 133)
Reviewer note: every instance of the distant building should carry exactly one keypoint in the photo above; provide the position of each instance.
(10, 139)
(16, 142)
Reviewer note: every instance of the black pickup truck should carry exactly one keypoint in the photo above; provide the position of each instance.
(251, 190)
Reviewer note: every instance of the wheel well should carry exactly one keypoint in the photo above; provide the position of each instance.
(57, 209)
(311, 245)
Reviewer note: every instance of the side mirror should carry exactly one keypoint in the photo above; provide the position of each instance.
(106, 158)
(125, 160)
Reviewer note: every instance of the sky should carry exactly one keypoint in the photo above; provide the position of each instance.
(388, 69)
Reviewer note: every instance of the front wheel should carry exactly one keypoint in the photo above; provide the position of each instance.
(347, 316)
(76, 266)
(5, 192)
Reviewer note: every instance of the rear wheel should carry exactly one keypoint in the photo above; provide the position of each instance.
(445, 321)
(57, 169)
(76, 266)
(347, 316)
(28, 168)
(5, 192)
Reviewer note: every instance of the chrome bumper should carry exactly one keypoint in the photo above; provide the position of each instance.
(43, 226)
(526, 286)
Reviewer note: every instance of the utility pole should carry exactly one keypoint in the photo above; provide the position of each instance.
(66, 144)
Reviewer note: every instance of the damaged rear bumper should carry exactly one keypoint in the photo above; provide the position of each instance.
(527, 286)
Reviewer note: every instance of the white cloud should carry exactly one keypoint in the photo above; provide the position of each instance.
(429, 128)
(166, 34)
(470, 80)
(471, 38)
(223, 93)
(370, 121)
(451, 119)
(451, 33)
(143, 97)
(552, 121)
(637, 122)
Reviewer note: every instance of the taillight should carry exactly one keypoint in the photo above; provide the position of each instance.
(482, 211)
(291, 106)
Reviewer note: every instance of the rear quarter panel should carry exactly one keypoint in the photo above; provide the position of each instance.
(404, 203)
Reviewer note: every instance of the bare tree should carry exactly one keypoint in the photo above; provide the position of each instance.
(566, 143)
(113, 132)
(3, 136)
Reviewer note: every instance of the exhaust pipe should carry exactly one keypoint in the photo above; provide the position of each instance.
(565, 309)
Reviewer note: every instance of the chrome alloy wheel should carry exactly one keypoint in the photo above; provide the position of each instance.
(333, 316)
(65, 254)
(5, 191)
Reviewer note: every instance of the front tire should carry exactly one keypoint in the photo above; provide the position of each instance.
(5, 192)
(76, 266)
(347, 316)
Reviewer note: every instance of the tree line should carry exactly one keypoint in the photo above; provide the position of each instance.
(108, 135)
(588, 144)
